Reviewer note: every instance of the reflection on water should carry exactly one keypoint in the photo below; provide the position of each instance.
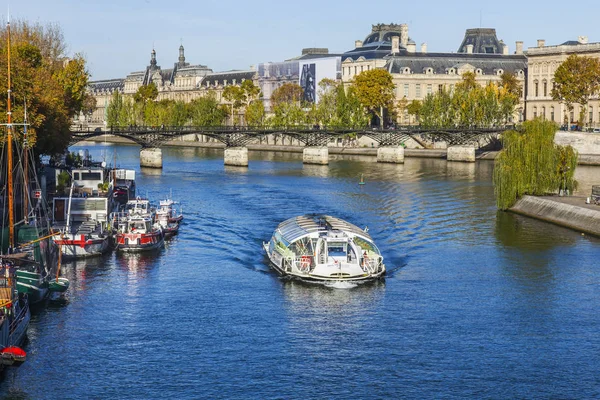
(151, 171)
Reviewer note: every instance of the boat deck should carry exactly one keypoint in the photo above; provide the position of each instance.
(5, 295)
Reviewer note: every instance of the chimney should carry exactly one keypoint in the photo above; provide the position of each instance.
(519, 48)
(504, 49)
(541, 43)
(469, 49)
(395, 45)
(404, 35)
(411, 47)
(423, 47)
(358, 43)
(582, 39)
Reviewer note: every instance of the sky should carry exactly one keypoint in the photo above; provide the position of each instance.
(117, 37)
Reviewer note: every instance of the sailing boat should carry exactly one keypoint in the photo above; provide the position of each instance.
(28, 238)
(14, 306)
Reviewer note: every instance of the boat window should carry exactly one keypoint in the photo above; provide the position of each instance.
(366, 245)
(336, 249)
(91, 176)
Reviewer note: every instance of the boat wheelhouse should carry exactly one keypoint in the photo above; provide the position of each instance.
(324, 248)
(168, 218)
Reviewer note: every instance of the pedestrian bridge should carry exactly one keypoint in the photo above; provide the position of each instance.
(461, 141)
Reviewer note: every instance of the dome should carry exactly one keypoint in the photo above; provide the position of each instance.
(385, 32)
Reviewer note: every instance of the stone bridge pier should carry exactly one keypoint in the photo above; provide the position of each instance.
(151, 157)
(315, 155)
(464, 153)
(236, 156)
(391, 154)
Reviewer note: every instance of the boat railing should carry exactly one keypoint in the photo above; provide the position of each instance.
(370, 265)
(304, 263)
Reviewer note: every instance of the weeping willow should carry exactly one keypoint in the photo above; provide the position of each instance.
(531, 163)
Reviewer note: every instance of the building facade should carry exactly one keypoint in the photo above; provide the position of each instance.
(417, 74)
(543, 61)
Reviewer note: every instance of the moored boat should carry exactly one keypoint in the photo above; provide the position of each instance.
(324, 248)
(14, 315)
(168, 218)
(138, 233)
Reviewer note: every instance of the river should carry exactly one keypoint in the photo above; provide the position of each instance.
(477, 303)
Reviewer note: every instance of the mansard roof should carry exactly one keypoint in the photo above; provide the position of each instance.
(219, 78)
(370, 52)
(107, 85)
(484, 40)
(440, 62)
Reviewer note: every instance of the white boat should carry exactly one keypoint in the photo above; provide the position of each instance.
(168, 218)
(324, 248)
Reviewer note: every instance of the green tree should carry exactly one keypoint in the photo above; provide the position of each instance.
(255, 113)
(531, 163)
(350, 111)
(375, 91)
(146, 93)
(414, 108)
(576, 80)
(206, 111)
(241, 95)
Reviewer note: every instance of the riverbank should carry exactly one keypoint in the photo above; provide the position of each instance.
(584, 159)
(569, 211)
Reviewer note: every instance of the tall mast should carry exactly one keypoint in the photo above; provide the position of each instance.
(11, 212)
(25, 167)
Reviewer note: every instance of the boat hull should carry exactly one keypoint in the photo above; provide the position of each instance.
(72, 249)
(128, 242)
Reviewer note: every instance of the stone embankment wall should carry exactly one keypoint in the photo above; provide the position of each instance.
(583, 218)
(587, 145)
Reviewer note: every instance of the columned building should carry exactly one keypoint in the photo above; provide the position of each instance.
(543, 61)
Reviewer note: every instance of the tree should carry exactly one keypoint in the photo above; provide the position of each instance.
(255, 113)
(350, 112)
(206, 111)
(511, 84)
(74, 79)
(242, 95)
(146, 93)
(52, 88)
(89, 104)
(576, 80)
(287, 93)
(375, 91)
(414, 108)
(531, 163)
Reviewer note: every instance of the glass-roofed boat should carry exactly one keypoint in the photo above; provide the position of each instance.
(324, 248)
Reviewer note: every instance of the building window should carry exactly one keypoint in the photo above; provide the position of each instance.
(591, 116)
(545, 88)
(361, 68)
(429, 89)
(418, 90)
(440, 88)
(552, 114)
(406, 90)
(543, 113)
(536, 88)
(355, 69)
(534, 112)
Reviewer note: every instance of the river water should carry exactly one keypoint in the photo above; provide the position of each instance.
(476, 304)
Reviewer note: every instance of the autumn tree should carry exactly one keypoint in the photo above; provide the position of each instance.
(287, 93)
(375, 91)
(52, 87)
(576, 80)
(255, 113)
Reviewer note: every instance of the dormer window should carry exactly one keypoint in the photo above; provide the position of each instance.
(499, 72)
(478, 71)
(406, 70)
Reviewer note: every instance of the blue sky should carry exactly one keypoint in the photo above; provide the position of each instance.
(117, 36)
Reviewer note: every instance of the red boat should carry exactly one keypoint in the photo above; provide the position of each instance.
(139, 233)
(12, 355)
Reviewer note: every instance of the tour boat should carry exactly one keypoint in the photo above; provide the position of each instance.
(138, 233)
(324, 248)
